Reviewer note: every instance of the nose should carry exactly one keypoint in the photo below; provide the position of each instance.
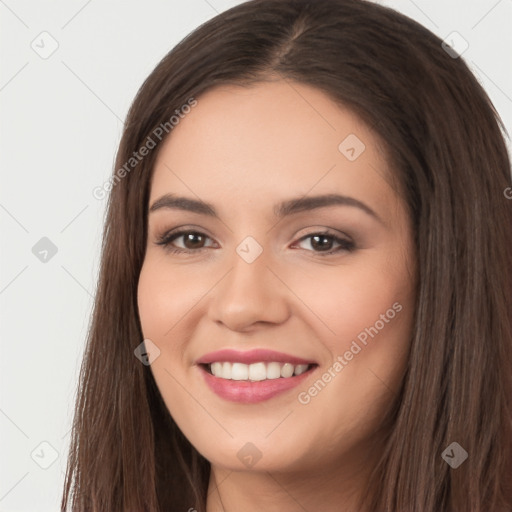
(249, 295)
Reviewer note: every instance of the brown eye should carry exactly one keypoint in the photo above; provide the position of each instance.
(322, 243)
(191, 240)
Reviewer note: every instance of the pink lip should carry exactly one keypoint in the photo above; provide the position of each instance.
(250, 356)
(251, 392)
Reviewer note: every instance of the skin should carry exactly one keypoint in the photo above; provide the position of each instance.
(245, 150)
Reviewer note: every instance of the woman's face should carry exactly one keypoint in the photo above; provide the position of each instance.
(278, 276)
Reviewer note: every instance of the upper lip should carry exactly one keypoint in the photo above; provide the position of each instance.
(250, 356)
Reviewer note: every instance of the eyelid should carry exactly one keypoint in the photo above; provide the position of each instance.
(188, 228)
(317, 230)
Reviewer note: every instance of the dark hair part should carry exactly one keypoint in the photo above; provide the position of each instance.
(446, 148)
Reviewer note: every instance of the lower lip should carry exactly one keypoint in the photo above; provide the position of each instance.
(252, 392)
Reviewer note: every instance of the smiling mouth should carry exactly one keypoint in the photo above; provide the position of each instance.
(256, 372)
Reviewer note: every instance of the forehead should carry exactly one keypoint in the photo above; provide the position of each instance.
(271, 141)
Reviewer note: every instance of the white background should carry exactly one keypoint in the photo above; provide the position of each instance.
(61, 121)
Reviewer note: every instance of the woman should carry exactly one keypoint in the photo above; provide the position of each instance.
(304, 297)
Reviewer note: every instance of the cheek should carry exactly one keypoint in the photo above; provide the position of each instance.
(352, 298)
(161, 306)
(370, 308)
(159, 310)
(367, 313)
(152, 304)
(165, 296)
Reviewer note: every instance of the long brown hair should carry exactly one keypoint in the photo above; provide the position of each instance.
(445, 144)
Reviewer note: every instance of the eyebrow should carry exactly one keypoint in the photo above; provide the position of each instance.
(286, 208)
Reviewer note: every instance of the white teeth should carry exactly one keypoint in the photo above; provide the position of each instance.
(287, 370)
(300, 368)
(216, 369)
(239, 371)
(256, 371)
(273, 370)
(226, 371)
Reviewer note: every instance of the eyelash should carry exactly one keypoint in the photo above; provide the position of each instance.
(166, 239)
